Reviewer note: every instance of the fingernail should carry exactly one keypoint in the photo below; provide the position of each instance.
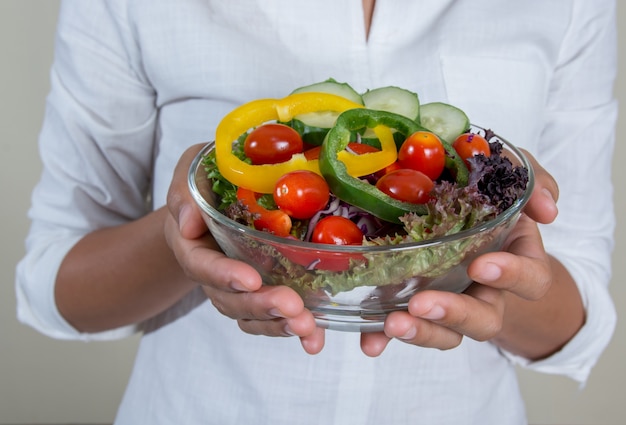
(274, 312)
(548, 194)
(183, 216)
(288, 330)
(435, 313)
(410, 334)
(490, 272)
(238, 286)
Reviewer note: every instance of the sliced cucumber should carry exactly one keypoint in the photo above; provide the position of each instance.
(445, 120)
(314, 126)
(393, 99)
(331, 86)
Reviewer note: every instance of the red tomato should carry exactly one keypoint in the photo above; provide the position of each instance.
(337, 230)
(406, 185)
(313, 153)
(301, 193)
(273, 221)
(469, 144)
(272, 143)
(361, 148)
(388, 169)
(423, 151)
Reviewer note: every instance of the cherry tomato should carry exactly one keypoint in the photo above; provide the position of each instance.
(469, 144)
(388, 169)
(337, 230)
(273, 221)
(272, 143)
(301, 193)
(406, 185)
(423, 151)
(361, 148)
(313, 153)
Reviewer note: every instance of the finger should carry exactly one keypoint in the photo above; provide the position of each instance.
(202, 262)
(302, 325)
(542, 206)
(275, 327)
(442, 318)
(523, 269)
(374, 343)
(179, 201)
(421, 332)
(314, 343)
(266, 303)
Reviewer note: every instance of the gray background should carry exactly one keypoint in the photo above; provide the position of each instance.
(47, 381)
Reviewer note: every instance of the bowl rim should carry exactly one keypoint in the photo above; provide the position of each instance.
(196, 167)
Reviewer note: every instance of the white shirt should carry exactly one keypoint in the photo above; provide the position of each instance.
(135, 83)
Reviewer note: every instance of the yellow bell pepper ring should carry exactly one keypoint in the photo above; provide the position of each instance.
(262, 178)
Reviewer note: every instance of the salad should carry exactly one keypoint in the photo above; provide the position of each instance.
(328, 165)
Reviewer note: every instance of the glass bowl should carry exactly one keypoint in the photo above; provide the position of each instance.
(353, 288)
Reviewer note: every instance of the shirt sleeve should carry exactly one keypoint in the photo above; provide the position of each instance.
(96, 146)
(577, 147)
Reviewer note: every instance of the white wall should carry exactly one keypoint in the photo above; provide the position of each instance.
(47, 381)
(41, 380)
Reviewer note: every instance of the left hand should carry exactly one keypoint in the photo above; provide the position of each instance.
(440, 319)
(234, 287)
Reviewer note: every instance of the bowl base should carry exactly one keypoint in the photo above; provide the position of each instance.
(346, 323)
(365, 326)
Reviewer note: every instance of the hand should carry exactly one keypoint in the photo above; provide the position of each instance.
(234, 287)
(441, 319)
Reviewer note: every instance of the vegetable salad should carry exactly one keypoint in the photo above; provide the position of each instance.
(328, 165)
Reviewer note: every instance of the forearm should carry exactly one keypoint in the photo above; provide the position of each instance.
(119, 275)
(537, 329)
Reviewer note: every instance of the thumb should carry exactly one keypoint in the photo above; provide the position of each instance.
(180, 203)
(541, 206)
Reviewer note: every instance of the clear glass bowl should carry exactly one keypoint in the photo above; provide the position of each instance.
(353, 288)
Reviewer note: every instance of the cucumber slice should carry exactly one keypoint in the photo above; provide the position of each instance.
(331, 86)
(446, 121)
(314, 126)
(393, 99)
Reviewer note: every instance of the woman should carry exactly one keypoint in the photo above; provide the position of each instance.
(135, 84)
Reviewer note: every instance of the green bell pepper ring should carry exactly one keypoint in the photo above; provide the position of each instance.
(358, 192)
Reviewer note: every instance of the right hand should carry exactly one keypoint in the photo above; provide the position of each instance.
(234, 287)
(488, 309)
